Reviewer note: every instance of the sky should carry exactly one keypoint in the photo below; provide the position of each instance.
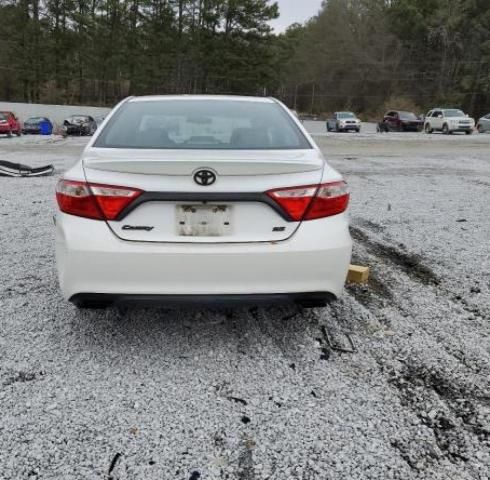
(292, 11)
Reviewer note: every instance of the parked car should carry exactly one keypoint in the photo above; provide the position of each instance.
(37, 125)
(343, 122)
(209, 212)
(448, 120)
(99, 119)
(80, 125)
(9, 124)
(400, 121)
(483, 124)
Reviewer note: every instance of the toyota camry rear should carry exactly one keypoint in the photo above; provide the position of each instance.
(202, 199)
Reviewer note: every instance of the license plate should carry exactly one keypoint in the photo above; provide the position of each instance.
(203, 220)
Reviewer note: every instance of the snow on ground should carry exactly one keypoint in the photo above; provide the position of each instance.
(256, 394)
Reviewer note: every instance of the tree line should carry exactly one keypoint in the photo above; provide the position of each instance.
(364, 55)
(370, 55)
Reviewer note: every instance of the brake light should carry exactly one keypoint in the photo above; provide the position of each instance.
(312, 201)
(92, 200)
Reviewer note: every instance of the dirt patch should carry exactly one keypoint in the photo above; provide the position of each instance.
(370, 225)
(373, 294)
(410, 263)
(246, 469)
(22, 377)
(451, 411)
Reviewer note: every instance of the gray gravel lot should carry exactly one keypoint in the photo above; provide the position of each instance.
(256, 394)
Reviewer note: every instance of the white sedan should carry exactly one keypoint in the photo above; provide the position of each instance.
(201, 199)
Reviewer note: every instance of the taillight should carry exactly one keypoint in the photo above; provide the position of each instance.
(312, 201)
(92, 200)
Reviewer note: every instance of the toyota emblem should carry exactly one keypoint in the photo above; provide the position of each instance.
(204, 177)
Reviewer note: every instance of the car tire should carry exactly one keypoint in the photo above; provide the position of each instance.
(358, 130)
(445, 129)
(479, 128)
(18, 133)
(9, 135)
(328, 128)
(428, 128)
(469, 132)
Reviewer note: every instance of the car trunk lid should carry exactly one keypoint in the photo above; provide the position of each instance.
(174, 208)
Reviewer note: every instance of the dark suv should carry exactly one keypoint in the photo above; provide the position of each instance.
(79, 125)
(400, 121)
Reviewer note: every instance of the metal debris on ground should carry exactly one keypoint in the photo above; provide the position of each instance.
(10, 169)
(339, 341)
(114, 461)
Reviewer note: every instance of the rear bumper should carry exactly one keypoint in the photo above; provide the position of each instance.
(92, 260)
(306, 299)
(469, 128)
(76, 130)
(412, 128)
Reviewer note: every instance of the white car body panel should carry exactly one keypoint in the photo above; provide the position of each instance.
(101, 257)
(254, 221)
(185, 162)
(91, 259)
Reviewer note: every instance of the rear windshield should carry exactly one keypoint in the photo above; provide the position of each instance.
(408, 116)
(77, 119)
(202, 124)
(35, 120)
(345, 115)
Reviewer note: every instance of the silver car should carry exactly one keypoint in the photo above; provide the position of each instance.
(483, 124)
(343, 122)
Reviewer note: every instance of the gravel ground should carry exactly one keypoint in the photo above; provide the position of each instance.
(257, 394)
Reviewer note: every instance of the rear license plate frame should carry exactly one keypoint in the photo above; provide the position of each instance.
(203, 220)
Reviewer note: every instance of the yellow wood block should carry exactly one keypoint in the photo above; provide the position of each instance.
(358, 274)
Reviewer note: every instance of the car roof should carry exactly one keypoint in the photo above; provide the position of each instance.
(159, 98)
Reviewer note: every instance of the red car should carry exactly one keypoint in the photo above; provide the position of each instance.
(9, 124)
(401, 121)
